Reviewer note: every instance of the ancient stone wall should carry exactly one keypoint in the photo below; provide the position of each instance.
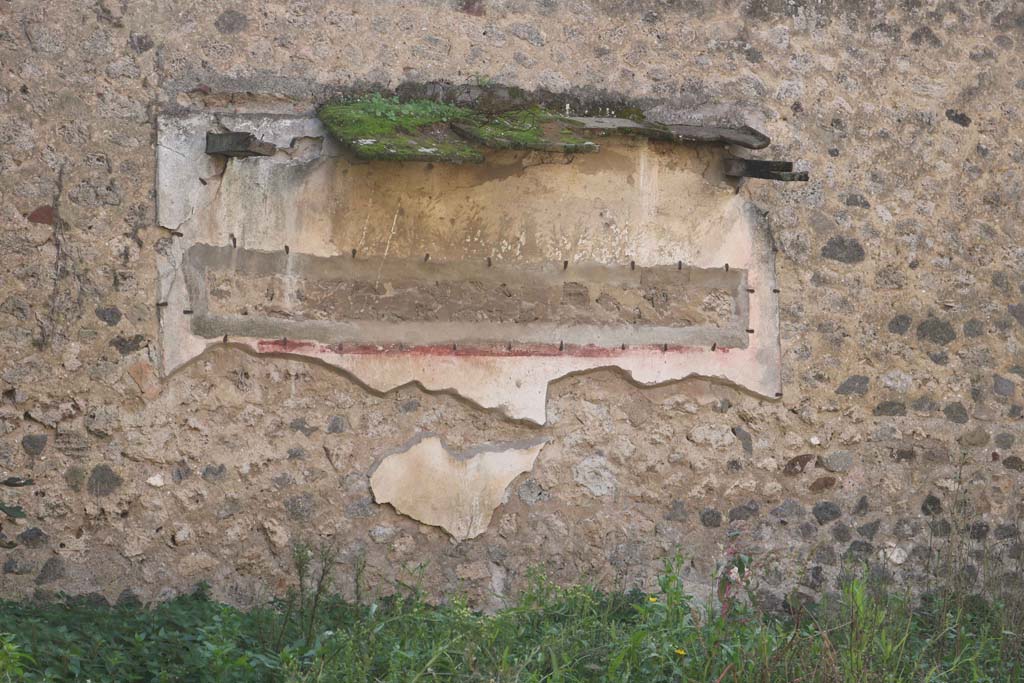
(897, 440)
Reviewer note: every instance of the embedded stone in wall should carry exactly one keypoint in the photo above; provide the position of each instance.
(455, 491)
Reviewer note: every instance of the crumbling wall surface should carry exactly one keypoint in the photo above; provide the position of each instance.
(901, 312)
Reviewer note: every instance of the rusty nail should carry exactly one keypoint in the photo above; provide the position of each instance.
(561, 346)
(161, 304)
(714, 345)
(775, 291)
(187, 311)
(664, 347)
(778, 394)
(750, 331)
(623, 347)
(632, 265)
(727, 267)
(286, 249)
(565, 265)
(750, 290)
(488, 261)
(679, 265)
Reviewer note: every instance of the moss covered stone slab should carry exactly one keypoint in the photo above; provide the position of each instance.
(606, 125)
(377, 127)
(534, 129)
(743, 136)
(384, 128)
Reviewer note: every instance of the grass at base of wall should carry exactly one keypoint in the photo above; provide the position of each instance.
(552, 634)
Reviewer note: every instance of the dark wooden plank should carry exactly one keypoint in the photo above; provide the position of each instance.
(238, 145)
(744, 167)
(762, 168)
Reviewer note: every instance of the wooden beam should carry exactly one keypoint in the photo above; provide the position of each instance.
(238, 145)
(762, 168)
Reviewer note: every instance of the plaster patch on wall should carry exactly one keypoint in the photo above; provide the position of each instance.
(262, 244)
(457, 492)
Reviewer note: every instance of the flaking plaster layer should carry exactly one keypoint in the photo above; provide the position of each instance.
(455, 491)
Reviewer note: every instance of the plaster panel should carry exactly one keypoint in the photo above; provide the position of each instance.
(455, 491)
(392, 271)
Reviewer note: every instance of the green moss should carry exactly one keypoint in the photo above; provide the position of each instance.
(533, 128)
(376, 127)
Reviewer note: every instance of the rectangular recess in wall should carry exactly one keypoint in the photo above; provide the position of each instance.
(486, 280)
(344, 300)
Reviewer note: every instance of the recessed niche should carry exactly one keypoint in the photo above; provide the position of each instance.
(487, 279)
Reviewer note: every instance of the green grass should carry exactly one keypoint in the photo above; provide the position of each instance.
(552, 634)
